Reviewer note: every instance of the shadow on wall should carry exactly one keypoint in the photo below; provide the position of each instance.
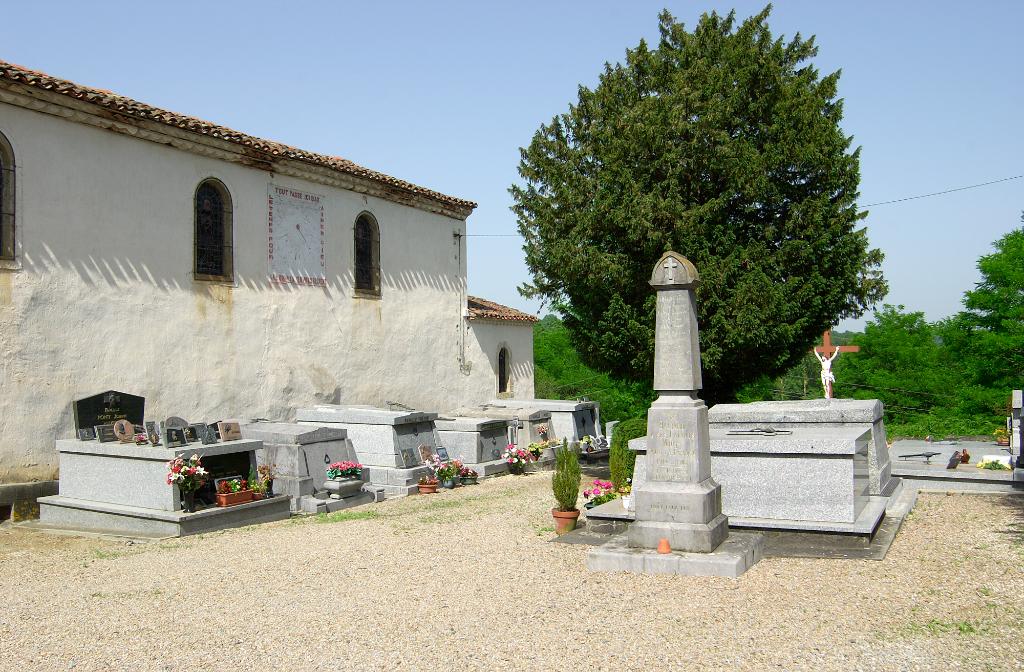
(118, 272)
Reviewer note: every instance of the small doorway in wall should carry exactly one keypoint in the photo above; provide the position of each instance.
(503, 371)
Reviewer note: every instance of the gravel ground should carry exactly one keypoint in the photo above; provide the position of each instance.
(468, 580)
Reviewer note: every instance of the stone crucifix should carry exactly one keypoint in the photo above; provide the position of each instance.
(826, 354)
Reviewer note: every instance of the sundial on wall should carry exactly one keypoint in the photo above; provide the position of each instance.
(295, 221)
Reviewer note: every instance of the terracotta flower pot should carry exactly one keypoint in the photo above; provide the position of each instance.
(565, 521)
(234, 498)
(428, 488)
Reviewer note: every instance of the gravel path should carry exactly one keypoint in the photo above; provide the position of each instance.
(468, 580)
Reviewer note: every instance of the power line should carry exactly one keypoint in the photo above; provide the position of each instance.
(940, 193)
(869, 205)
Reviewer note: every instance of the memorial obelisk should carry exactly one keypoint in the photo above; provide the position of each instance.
(678, 502)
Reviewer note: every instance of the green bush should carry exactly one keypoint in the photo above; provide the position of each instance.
(620, 458)
(566, 481)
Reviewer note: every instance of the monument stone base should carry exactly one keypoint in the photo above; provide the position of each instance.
(732, 558)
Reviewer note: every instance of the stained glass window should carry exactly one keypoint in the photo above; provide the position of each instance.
(213, 258)
(6, 199)
(367, 254)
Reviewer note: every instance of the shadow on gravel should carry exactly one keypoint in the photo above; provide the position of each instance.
(1014, 504)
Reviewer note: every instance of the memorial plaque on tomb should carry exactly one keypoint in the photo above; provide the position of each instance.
(442, 453)
(174, 437)
(426, 453)
(410, 458)
(108, 407)
(87, 434)
(105, 433)
(176, 422)
(215, 428)
(230, 430)
(191, 433)
(203, 433)
(153, 432)
(124, 431)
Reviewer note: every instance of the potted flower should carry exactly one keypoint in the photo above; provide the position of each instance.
(189, 475)
(266, 476)
(256, 485)
(542, 430)
(566, 487)
(587, 444)
(599, 493)
(626, 493)
(1002, 436)
(344, 479)
(427, 485)
(993, 465)
(233, 491)
(468, 476)
(516, 458)
(447, 472)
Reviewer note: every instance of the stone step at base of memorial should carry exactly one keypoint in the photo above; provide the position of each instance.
(78, 514)
(491, 468)
(612, 517)
(733, 557)
(327, 505)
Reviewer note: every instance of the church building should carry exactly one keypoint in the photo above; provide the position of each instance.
(220, 275)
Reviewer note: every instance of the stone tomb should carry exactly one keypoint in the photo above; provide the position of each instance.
(863, 414)
(524, 424)
(678, 504)
(122, 488)
(570, 420)
(300, 455)
(478, 442)
(1016, 433)
(807, 478)
(386, 442)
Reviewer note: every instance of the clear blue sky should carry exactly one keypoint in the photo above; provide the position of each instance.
(444, 94)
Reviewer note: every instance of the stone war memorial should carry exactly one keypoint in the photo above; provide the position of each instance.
(679, 527)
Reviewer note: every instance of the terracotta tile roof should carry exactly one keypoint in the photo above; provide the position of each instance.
(134, 109)
(482, 309)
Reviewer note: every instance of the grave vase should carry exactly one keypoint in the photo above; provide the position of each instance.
(516, 468)
(188, 501)
(448, 483)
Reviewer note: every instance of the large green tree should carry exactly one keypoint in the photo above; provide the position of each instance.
(988, 336)
(724, 144)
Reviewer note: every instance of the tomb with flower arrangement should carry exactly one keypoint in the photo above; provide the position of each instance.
(305, 462)
(120, 477)
(478, 442)
(392, 445)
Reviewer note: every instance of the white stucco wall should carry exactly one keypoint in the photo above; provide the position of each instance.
(104, 296)
(486, 338)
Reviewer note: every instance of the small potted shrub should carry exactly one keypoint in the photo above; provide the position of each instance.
(233, 491)
(344, 479)
(566, 486)
(189, 475)
(517, 459)
(1002, 436)
(599, 493)
(468, 476)
(427, 485)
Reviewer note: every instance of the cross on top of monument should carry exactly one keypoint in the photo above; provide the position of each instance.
(670, 266)
(826, 347)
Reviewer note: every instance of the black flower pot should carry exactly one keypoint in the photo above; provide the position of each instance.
(189, 501)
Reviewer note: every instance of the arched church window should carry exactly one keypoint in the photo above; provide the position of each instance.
(367, 255)
(503, 371)
(213, 253)
(6, 199)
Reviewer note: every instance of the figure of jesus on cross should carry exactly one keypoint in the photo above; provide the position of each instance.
(822, 353)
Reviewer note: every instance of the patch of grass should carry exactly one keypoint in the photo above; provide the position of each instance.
(544, 529)
(984, 591)
(102, 554)
(343, 516)
(935, 627)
